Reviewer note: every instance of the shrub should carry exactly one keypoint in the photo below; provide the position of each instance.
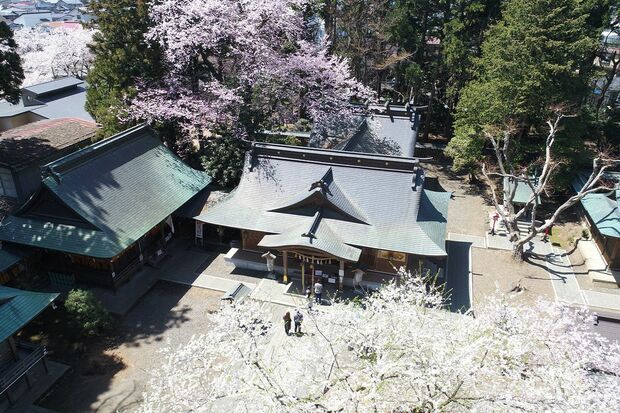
(87, 313)
(224, 160)
(585, 234)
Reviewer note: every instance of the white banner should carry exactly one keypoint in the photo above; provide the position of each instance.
(199, 229)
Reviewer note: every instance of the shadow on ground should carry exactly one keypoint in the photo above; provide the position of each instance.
(87, 387)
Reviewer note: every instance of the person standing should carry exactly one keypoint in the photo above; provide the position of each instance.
(318, 292)
(298, 319)
(287, 323)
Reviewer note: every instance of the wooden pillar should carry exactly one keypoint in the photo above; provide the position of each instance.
(8, 397)
(45, 366)
(112, 274)
(13, 347)
(312, 274)
(303, 276)
(285, 261)
(341, 275)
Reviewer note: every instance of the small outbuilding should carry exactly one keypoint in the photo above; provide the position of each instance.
(603, 217)
(21, 362)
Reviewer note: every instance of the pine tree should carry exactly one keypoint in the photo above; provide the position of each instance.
(11, 72)
(122, 55)
(538, 55)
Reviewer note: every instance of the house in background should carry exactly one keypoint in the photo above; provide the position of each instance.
(104, 211)
(24, 371)
(24, 150)
(60, 98)
(346, 214)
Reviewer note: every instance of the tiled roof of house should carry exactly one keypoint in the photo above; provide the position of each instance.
(380, 201)
(34, 142)
(383, 134)
(18, 307)
(113, 191)
(60, 98)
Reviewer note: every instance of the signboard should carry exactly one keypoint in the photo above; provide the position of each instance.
(392, 256)
(199, 229)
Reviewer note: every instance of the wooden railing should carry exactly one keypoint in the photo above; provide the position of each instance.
(18, 369)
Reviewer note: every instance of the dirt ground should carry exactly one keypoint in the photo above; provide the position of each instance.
(496, 271)
(467, 210)
(111, 377)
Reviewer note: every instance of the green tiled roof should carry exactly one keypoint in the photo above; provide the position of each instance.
(7, 260)
(523, 192)
(370, 201)
(602, 210)
(121, 187)
(67, 238)
(18, 307)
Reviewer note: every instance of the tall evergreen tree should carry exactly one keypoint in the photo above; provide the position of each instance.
(357, 31)
(11, 73)
(122, 55)
(537, 56)
(462, 42)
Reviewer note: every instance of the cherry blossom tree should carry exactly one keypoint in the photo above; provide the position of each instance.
(51, 53)
(398, 350)
(239, 65)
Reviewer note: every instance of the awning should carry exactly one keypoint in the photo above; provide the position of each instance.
(314, 236)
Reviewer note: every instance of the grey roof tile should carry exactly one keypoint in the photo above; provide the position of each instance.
(399, 217)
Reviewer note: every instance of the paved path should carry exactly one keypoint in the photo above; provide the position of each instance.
(458, 280)
(601, 299)
(199, 268)
(271, 291)
(560, 271)
(476, 241)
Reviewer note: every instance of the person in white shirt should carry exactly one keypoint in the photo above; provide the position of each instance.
(318, 292)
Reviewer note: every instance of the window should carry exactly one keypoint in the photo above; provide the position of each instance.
(7, 186)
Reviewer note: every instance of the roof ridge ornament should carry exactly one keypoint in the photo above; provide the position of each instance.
(318, 184)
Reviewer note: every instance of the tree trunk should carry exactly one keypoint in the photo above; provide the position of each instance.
(518, 252)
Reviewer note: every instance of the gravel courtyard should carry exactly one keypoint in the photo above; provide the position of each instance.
(112, 378)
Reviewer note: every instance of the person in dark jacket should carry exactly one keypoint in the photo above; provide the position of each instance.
(298, 319)
(287, 323)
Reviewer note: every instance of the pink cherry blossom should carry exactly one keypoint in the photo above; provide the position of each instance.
(242, 62)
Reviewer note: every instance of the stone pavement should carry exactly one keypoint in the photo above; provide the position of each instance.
(597, 268)
(194, 266)
(560, 271)
(272, 291)
(476, 241)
